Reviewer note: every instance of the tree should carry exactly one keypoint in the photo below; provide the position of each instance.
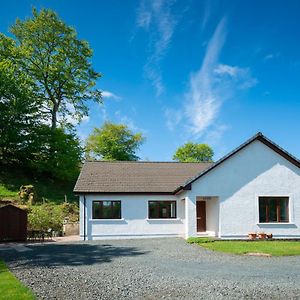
(59, 65)
(57, 154)
(19, 114)
(192, 152)
(113, 142)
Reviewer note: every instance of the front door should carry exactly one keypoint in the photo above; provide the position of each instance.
(201, 216)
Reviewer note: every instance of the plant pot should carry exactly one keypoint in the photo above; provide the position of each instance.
(262, 236)
(252, 236)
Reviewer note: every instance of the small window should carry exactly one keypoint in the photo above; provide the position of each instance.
(273, 209)
(106, 209)
(162, 209)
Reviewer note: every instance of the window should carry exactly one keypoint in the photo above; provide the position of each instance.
(273, 209)
(106, 209)
(162, 209)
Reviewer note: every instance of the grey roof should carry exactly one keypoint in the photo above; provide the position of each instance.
(135, 177)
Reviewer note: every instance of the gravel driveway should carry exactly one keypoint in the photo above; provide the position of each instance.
(151, 269)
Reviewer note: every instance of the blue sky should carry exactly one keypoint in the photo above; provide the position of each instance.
(211, 72)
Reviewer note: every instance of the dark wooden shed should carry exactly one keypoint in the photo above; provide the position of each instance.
(13, 223)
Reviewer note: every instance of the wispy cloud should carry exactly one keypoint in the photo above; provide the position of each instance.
(208, 89)
(271, 56)
(155, 17)
(107, 94)
(202, 101)
(242, 77)
(173, 118)
(125, 119)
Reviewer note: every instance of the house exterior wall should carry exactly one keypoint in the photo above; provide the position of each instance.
(134, 220)
(212, 216)
(254, 171)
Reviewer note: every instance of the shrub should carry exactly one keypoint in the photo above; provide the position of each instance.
(46, 217)
(27, 194)
(199, 240)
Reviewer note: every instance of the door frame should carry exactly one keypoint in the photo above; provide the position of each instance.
(199, 217)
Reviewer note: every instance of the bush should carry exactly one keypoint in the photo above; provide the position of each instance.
(199, 240)
(46, 217)
(27, 194)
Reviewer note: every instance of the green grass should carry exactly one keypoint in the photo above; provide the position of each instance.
(50, 190)
(274, 247)
(11, 288)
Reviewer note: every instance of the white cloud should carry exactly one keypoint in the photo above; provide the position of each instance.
(229, 70)
(242, 77)
(203, 101)
(85, 119)
(271, 56)
(107, 94)
(155, 16)
(124, 119)
(208, 89)
(173, 118)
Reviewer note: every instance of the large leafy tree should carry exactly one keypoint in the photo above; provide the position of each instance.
(26, 140)
(192, 152)
(59, 65)
(58, 153)
(19, 114)
(113, 142)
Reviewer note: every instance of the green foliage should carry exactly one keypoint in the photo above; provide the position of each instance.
(19, 114)
(46, 217)
(113, 142)
(47, 188)
(274, 248)
(199, 240)
(27, 194)
(58, 64)
(191, 152)
(58, 154)
(11, 288)
(45, 74)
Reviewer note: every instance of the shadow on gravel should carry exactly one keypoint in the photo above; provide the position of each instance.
(68, 255)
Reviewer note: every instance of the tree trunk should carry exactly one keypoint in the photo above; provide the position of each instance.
(54, 118)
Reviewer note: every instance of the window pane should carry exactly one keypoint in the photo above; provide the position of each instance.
(162, 209)
(262, 210)
(116, 210)
(284, 210)
(153, 209)
(96, 210)
(273, 209)
(106, 209)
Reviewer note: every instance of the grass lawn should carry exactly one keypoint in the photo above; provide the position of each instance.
(274, 247)
(11, 288)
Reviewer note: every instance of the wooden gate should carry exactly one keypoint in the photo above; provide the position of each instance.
(13, 223)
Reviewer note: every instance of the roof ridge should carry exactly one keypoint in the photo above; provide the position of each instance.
(145, 161)
(258, 136)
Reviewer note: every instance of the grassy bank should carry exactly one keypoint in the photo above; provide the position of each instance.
(11, 288)
(274, 247)
(48, 189)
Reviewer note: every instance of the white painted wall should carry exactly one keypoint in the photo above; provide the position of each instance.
(212, 216)
(134, 222)
(254, 171)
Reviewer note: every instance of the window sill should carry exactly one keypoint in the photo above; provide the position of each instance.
(275, 223)
(164, 219)
(108, 220)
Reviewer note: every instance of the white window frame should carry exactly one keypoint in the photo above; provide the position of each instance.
(291, 208)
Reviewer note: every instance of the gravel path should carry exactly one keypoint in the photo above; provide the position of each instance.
(151, 269)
